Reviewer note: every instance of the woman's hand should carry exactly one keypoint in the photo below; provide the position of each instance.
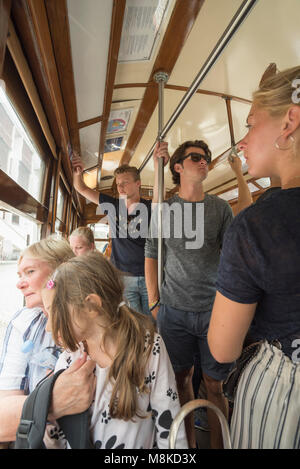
(74, 389)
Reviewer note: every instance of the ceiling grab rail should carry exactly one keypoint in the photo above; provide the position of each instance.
(237, 20)
(189, 407)
(161, 78)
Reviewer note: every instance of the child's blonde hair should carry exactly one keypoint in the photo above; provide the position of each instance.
(85, 232)
(93, 274)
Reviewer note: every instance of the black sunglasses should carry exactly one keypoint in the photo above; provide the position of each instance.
(196, 157)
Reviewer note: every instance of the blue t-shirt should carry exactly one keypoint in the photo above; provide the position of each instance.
(128, 233)
(260, 262)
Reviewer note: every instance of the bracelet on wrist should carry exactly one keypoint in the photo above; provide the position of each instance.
(153, 305)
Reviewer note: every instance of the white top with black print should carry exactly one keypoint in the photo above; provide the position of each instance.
(161, 405)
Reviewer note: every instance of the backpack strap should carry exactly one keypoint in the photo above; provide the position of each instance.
(31, 430)
(76, 430)
(30, 433)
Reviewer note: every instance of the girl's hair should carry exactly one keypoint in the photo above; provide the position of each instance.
(131, 331)
(85, 232)
(275, 94)
(52, 250)
(180, 152)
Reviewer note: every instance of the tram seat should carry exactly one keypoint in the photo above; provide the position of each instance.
(189, 407)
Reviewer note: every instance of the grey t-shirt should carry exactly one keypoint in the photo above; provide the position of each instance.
(193, 233)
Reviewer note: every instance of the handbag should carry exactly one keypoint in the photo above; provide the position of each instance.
(231, 383)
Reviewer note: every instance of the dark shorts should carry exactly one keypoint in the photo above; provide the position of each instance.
(185, 335)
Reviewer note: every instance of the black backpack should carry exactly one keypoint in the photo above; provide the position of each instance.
(30, 433)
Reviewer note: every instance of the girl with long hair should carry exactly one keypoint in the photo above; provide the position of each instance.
(136, 397)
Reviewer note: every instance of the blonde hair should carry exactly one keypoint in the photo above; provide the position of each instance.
(93, 274)
(85, 232)
(275, 92)
(52, 250)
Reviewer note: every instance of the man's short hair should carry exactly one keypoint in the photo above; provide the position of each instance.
(180, 153)
(125, 168)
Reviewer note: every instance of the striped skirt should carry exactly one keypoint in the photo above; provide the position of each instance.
(266, 412)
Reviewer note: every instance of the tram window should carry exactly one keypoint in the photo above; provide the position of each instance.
(60, 204)
(13, 239)
(101, 230)
(19, 158)
(60, 225)
(15, 219)
(101, 245)
(59, 228)
(101, 235)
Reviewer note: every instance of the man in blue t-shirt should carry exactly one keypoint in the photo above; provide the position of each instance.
(129, 218)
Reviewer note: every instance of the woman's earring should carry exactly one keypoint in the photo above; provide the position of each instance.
(281, 147)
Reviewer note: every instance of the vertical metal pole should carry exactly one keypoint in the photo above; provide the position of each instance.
(160, 78)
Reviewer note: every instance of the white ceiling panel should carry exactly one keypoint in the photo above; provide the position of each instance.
(269, 34)
(90, 22)
(89, 142)
(211, 22)
(124, 94)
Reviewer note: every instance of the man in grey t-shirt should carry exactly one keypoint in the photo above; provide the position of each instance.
(194, 224)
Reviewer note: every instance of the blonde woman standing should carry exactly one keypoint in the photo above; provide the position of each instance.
(259, 276)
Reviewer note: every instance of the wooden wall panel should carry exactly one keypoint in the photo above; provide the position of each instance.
(5, 7)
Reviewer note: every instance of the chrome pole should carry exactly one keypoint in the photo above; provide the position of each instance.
(231, 29)
(161, 78)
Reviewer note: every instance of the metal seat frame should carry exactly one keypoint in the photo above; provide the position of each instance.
(189, 407)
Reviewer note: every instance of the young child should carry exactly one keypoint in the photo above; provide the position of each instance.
(136, 396)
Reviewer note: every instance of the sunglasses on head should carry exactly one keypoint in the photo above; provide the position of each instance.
(196, 157)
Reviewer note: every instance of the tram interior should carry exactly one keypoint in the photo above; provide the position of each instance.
(79, 76)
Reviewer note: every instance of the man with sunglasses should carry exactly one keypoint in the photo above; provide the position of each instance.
(183, 307)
